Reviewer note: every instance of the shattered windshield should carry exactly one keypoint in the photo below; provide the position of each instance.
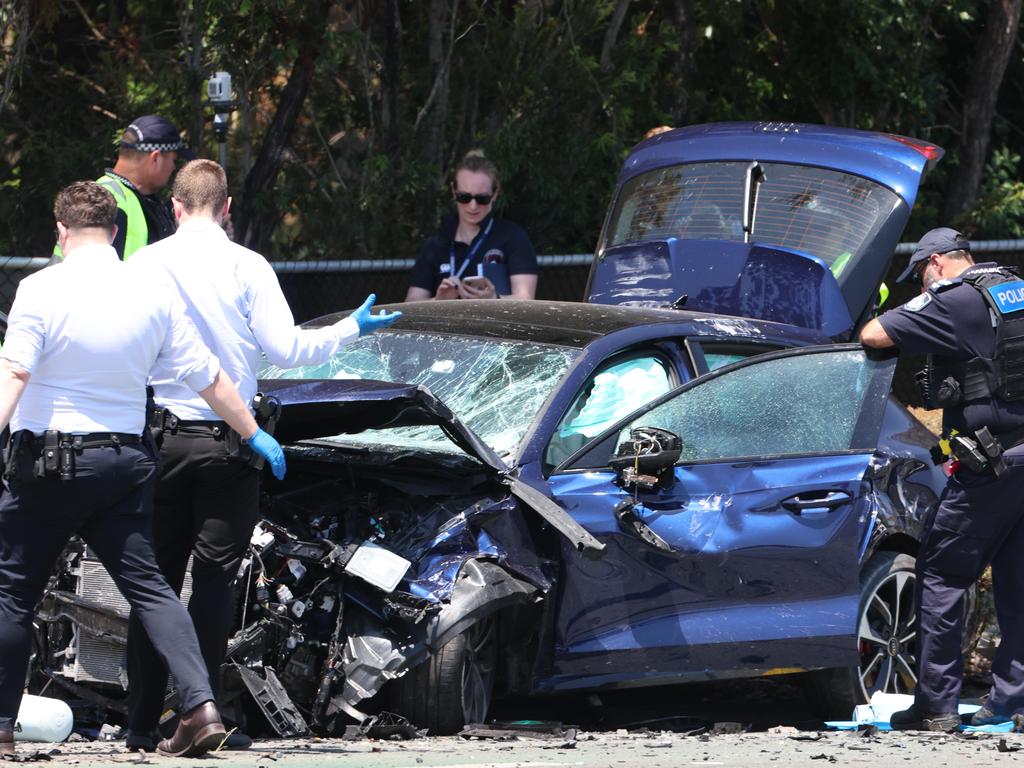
(825, 213)
(495, 387)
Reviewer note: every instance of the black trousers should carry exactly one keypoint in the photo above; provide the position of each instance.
(979, 521)
(206, 506)
(109, 503)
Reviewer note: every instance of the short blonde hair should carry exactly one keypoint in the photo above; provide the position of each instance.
(201, 185)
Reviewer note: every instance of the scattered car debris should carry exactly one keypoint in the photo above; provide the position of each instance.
(516, 729)
(1004, 747)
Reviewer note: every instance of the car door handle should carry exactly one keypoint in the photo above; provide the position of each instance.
(820, 502)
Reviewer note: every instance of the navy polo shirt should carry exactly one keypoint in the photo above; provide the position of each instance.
(951, 321)
(506, 243)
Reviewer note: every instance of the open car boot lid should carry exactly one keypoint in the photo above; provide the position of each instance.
(779, 221)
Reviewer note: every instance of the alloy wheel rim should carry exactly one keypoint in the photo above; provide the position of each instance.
(478, 672)
(887, 637)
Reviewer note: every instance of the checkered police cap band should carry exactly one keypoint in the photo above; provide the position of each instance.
(146, 146)
(154, 134)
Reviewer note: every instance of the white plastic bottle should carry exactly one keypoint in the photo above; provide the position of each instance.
(43, 719)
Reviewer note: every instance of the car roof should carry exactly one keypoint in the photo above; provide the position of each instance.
(894, 161)
(570, 324)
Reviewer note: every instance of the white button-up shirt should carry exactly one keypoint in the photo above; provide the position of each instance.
(90, 332)
(233, 296)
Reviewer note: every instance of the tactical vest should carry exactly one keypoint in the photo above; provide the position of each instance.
(1002, 375)
(138, 231)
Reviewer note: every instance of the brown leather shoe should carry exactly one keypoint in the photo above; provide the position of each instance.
(6, 742)
(198, 731)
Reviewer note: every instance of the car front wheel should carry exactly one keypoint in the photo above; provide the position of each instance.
(454, 686)
(886, 640)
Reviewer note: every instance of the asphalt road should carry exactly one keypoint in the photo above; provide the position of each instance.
(754, 723)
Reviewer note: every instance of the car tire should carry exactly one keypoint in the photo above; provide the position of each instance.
(454, 686)
(886, 639)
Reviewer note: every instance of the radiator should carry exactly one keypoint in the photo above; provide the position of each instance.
(97, 660)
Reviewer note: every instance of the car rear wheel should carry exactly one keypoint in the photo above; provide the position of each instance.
(886, 640)
(454, 686)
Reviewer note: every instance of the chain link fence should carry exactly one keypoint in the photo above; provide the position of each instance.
(315, 288)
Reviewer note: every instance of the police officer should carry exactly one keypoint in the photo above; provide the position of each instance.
(207, 497)
(969, 320)
(146, 156)
(82, 339)
(475, 255)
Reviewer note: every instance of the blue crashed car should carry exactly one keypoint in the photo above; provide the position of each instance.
(681, 479)
(542, 532)
(675, 481)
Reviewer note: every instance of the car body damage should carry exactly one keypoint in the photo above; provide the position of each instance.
(682, 479)
(492, 501)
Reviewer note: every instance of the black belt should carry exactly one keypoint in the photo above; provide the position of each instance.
(165, 421)
(214, 428)
(98, 439)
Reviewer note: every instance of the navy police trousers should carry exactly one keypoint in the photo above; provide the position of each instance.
(206, 506)
(109, 504)
(979, 521)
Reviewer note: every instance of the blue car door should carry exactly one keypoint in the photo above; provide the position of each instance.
(744, 557)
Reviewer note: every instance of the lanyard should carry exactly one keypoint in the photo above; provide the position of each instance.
(472, 251)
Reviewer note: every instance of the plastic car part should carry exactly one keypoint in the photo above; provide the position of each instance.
(625, 513)
(372, 656)
(274, 702)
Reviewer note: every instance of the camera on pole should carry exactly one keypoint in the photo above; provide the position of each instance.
(218, 96)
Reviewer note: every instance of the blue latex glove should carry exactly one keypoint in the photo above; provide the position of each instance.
(267, 447)
(369, 322)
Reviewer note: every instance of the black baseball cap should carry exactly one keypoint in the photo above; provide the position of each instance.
(154, 133)
(939, 240)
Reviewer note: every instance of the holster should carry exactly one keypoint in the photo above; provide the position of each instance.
(992, 449)
(267, 410)
(30, 458)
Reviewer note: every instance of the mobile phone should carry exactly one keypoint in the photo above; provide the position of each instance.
(476, 281)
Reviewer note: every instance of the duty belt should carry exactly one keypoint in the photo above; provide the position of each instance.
(51, 455)
(165, 422)
(91, 440)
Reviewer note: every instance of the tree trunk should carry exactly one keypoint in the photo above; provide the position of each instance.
(391, 83)
(612, 33)
(440, 54)
(993, 51)
(685, 67)
(253, 227)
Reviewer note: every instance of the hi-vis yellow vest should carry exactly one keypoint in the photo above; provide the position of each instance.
(138, 233)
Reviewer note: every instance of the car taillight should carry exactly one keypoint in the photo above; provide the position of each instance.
(931, 152)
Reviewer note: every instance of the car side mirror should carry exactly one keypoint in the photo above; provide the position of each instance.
(645, 459)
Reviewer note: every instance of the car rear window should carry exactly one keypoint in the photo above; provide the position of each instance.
(826, 213)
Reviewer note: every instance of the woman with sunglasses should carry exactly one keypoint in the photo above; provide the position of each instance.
(475, 255)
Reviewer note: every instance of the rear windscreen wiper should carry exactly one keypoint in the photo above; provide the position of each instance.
(752, 180)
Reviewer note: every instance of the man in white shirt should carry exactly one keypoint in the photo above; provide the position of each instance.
(82, 340)
(207, 500)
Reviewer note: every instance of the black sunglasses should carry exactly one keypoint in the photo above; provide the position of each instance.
(465, 198)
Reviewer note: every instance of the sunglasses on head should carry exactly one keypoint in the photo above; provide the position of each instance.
(465, 198)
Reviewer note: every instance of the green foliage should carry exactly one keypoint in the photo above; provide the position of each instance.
(523, 79)
(999, 211)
